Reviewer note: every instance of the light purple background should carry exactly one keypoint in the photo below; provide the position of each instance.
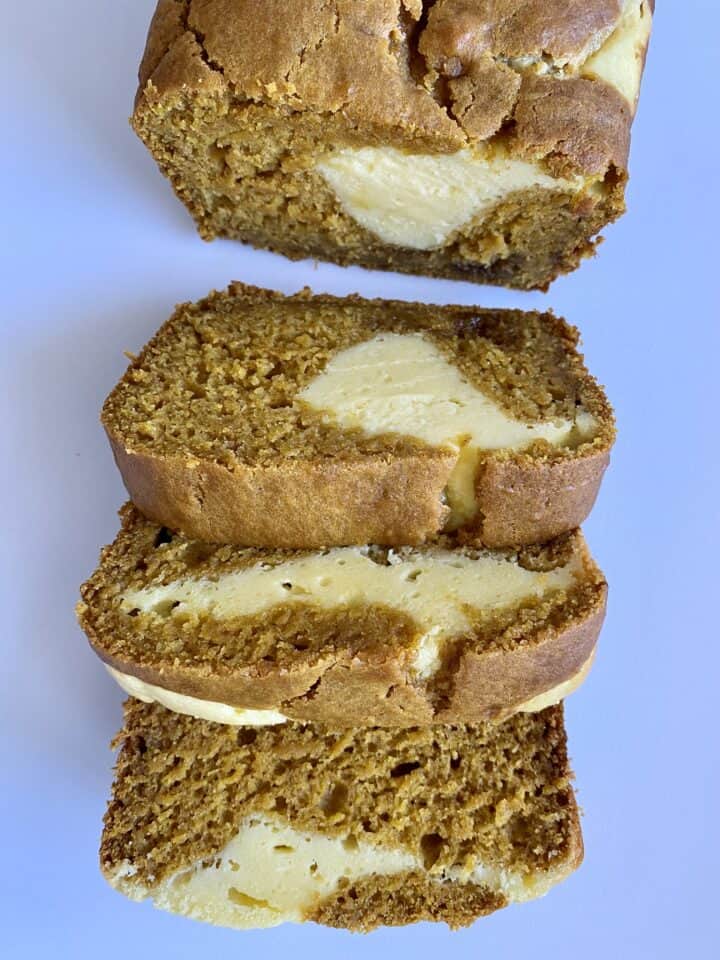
(95, 252)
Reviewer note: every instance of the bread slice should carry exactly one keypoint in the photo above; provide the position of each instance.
(357, 829)
(264, 420)
(343, 636)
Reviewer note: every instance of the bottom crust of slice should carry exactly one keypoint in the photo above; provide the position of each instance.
(238, 717)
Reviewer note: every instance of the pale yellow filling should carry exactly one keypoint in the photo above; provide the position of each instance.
(619, 61)
(563, 690)
(439, 589)
(270, 873)
(401, 383)
(217, 712)
(419, 200)
(210, 710)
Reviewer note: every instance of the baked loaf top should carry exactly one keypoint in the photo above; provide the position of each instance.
(343, 636)
(352, 829)
(305, 421)
(557, 81)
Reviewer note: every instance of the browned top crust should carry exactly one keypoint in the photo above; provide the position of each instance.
(431, 76)
(561, 30)
(572, 124)
(500, 794)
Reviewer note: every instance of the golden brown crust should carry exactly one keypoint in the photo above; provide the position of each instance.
(451, 796)
(173, 60)
(477, 48)
(361, 62)
(294, 505)
(560, 30)
(486, 681)
(573, 124)
(521, 500)
(384, 501)
(341, 57)
(166, 28)
(335, 488)
(340, 667)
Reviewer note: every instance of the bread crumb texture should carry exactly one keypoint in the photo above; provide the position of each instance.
(220, 380)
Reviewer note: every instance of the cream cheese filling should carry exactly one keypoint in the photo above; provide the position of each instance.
(217, 712)
(560, 692)
(619, 61)
(211, 710)
(419, 200)
(271, 873)
(440, 590)
(401, 383)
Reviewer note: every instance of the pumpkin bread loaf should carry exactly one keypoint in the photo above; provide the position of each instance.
(456, 138)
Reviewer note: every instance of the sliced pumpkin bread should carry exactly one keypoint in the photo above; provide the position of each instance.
(345, 635)
(355, 829)
(302, 421)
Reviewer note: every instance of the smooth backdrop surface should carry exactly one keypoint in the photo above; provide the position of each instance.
(95, 252)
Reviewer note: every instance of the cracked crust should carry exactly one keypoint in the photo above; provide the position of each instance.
(315, 56)
(572, 125)
(316, 486)
(341, 666)
(216, 94)
(562, 31)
